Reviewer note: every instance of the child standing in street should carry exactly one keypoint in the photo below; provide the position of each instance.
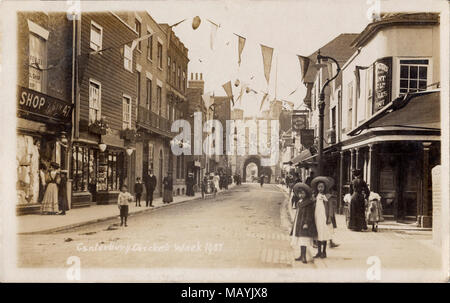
(304, 229)
(138, 188)
(123, 201)
(322, 216)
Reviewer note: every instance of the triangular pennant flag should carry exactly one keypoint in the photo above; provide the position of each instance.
(241, 45)
(262, 101)
(213, 34)
(228, 89)
(267, 53)
(136, 41)
(304, 64)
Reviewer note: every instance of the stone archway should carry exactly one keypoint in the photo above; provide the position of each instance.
(255, 160)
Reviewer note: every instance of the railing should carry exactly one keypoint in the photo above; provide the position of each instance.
(149, 118)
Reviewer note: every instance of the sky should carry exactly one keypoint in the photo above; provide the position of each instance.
(290, 27)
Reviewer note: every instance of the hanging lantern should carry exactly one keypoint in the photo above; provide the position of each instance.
(247, 90)
(196, 22)
(237, 82)
(129, 151)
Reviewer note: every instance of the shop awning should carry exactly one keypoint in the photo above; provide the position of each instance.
(305, 154)
(420, 111)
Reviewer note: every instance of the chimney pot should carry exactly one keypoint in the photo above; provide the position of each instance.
(201, 76)
(196, 76)
(192, 76)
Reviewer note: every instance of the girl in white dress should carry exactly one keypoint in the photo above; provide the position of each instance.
(322, 215)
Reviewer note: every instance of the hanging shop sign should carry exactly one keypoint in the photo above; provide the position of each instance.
(383, 83)
(299, 120)
(307, 137)
(40, 106)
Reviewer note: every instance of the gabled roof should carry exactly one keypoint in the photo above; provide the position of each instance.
(394, 19)
(339, 48)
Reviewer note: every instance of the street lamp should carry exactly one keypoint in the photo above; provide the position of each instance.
(321, 105)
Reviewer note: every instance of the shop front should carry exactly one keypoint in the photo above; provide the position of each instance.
(97, 175)
(43, 125)
(396, 151)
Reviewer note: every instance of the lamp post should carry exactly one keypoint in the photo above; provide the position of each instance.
(321, 105)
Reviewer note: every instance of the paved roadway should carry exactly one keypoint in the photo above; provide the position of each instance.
(245, 228)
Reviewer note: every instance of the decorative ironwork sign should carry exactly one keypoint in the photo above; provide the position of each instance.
(41, 106)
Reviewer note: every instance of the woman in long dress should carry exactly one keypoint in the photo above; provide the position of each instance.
(322, 215)
(50, 200)
(304, 229)
(359, 190)
(168, 189)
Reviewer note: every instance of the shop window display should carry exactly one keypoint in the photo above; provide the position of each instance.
(32, 153)
(96, 171)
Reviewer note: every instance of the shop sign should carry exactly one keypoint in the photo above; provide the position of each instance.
(299, 120)
(307, 137)
(197, 164)
(41, 105)
(383, 83)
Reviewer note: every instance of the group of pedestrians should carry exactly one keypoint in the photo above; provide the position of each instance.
(315, 221)
(53, 189)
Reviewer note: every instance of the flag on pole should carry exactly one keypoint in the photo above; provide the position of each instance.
(213, 34)
(304, 64)
(263, 99)
(241, 45)
(267, 53)
(228, 90)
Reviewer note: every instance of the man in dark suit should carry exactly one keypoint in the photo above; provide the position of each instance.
(150, 185)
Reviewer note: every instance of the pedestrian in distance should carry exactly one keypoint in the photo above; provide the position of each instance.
(320, 185)
(261, 180)
(304, 229)
(359, 191)
(168, 188)
(63, 203)
(310, 178)
(150, 185)
(138, 189)
(204, 186)
(123, 201)
(190, 185)
(296, 179)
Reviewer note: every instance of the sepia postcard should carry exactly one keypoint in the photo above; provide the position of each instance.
(224, 141)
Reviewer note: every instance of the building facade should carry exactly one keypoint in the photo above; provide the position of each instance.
(105, 107)
(44, 102)
(390, 112)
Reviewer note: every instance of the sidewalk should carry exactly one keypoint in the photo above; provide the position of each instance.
(32, 224)
(404, 252)
(386, 225)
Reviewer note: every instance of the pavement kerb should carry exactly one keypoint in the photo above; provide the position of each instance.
(103, 219)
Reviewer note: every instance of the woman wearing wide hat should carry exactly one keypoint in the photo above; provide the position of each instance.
(359, 191)
(50, 200)
(304, 229)
(320, 186)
